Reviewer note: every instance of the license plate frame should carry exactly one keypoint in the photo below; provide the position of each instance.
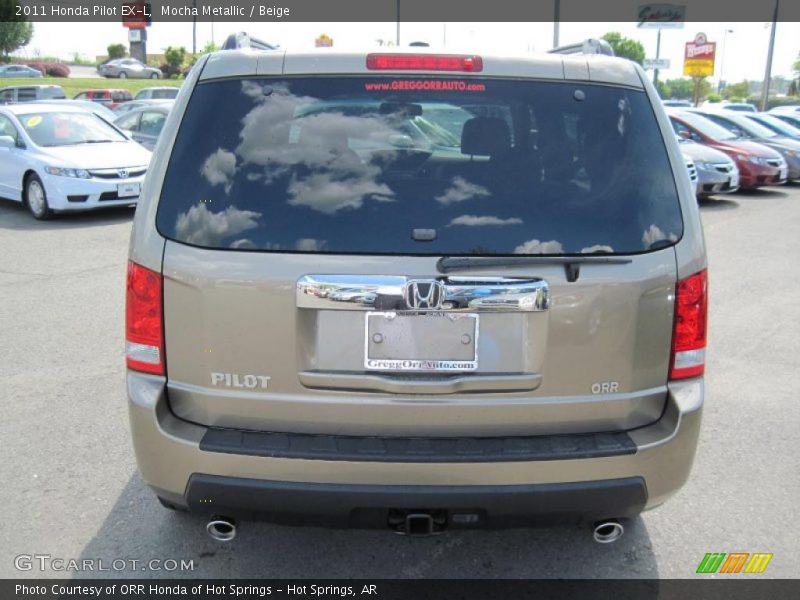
(418, 328)
(129, 190)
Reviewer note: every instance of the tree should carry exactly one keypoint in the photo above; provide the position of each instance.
(209, 47)
(625, 47)
(736, 91)
(680, 88)
(14, 33)
(175, 56)
(116, 51)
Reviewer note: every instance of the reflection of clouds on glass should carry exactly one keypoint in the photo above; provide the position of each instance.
(323, 193)
(597, 248)
(219, 168)
(654, 234)
(202, 227)
(461, 190)
(243, 244)
(309, 245)
(476, 221)
(537, 247)
(326, 174)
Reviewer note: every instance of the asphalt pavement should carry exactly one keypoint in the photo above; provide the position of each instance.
(68, 480)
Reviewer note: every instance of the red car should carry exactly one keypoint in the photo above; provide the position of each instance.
(108, 98)
(758, 165)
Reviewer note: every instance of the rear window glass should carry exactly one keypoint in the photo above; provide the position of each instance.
(419, 165)
(161, 94)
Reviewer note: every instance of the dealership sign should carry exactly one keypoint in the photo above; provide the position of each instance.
(656, 63)
(698, 59)
(663, 16)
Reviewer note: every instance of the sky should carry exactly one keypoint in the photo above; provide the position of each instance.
(742, 52)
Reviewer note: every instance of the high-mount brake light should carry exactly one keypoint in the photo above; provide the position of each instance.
(424, 62)
(144, 342)
(689, 332)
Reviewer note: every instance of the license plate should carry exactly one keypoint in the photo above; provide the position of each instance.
(126, 190)
(430, 341)
(782, 174)
(734, 181)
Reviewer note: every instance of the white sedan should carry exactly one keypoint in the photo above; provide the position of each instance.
(59, 158)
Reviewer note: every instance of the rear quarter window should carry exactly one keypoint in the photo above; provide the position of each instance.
(356, 165)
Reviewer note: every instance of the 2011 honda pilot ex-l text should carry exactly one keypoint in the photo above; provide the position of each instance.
(416, 291)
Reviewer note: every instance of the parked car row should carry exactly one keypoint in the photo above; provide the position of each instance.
(90, 152)
(739, 149)
(114, 99)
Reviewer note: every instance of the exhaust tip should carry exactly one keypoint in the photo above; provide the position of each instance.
(606, 532)
(221, 529)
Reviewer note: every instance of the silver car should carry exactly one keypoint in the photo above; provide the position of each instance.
(157, 93)
(124, 68)
(332, 321)
(144, 124)
(714, 171)
(19, 71)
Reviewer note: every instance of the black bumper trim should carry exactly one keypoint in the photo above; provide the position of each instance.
(417, 449)
(362, 505)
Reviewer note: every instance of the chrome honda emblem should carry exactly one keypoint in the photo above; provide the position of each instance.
(424, 294)
(123, 173)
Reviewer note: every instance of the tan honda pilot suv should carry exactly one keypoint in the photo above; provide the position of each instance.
(418, 291)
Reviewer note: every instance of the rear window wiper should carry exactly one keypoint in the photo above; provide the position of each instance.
(572, 264)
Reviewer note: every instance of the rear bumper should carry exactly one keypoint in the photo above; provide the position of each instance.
(362, 492)
(376, 506)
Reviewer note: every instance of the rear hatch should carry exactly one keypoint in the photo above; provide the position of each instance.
(418, 255)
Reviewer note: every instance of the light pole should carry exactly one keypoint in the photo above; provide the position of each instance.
(768, 69)
(658, 56)
(722, 60)
(556, 18)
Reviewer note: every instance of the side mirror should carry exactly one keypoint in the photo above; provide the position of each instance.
(6, 141)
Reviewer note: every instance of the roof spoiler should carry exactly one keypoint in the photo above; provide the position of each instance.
(243, 40)
(587, 46)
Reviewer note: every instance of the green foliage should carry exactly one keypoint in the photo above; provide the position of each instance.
(175, 56)
(681, 89)
(116, 51)
(663, 89)
(79, 59)
(14, 34)
(705, 89)
(625, 47)
(209, 47)
(714, 98)
(736, 92)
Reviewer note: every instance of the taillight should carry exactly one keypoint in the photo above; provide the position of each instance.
(144, 343)
(689, 334)
(424, 62)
